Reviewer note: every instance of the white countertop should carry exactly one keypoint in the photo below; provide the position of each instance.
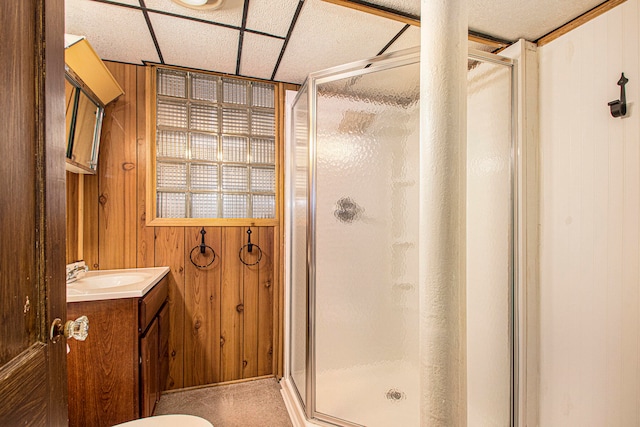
(114, 284)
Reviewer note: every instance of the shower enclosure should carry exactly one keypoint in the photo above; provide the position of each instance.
(354, 180)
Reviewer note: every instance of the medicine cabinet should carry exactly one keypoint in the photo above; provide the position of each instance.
(89, 87)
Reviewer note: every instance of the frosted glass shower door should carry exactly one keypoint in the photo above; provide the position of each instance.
(299, 167)
(366, 248)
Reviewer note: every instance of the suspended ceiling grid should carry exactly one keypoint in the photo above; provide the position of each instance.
(285, 40)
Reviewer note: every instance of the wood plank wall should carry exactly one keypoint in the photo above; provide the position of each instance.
(226, 319)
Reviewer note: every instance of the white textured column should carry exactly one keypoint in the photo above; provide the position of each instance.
(443, 124)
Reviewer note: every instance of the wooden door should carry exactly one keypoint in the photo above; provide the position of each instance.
(32, 212)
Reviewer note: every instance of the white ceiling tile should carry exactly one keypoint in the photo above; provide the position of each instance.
(110, 28)
(229, 13)
(259, 55)
(510, 19)
(513, 19)
(196, 45)
(411, 7)
(271, 16)
(327, 35)
(409, 38)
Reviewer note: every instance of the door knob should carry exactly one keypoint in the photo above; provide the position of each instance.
(77, 329)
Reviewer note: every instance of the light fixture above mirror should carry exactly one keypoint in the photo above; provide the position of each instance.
(200, 4)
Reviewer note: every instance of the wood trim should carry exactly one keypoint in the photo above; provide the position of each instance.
(212, 222)
(476, 38)
(582, 19)
(371, 9)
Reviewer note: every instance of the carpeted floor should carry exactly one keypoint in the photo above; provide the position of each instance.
(250, 404)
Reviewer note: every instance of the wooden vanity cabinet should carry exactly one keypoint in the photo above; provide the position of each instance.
(117, 374)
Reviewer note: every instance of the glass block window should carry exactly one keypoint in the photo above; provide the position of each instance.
(215, 146)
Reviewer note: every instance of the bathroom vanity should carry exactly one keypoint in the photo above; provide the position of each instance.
(117, 374)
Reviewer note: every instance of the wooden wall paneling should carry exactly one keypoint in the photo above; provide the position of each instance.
(266, 314)
(169, 251)
(91, 222)
(72, 217)
(117, 172)
(145, 235)
(237, 304)
(250, 284)
(231, 309)
(202, 309)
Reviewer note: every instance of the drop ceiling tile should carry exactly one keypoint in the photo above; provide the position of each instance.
(196, 45)
(229, 13)
(271, 16)
(412, 7)
(513, 19)
(109, 28)
(510, 19)
(327, 35)
(409, 38)
(259, 55)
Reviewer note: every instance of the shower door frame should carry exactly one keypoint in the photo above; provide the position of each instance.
(381, 63)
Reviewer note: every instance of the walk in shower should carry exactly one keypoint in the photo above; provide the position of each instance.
(353, 198)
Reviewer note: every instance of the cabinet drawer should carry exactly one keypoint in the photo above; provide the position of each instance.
(151, 303)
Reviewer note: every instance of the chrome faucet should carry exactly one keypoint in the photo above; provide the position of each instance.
(72, 273)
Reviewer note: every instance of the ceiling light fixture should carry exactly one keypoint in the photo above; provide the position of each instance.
(200, 4)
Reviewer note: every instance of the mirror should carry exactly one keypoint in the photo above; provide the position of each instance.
(83, 123)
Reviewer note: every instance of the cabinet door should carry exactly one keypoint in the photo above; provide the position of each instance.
(149, 370)
(163, 319)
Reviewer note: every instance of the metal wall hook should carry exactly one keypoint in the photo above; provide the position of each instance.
(619, 106)
(250, 247)
(203, 249)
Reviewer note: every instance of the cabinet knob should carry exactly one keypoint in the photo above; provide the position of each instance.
(77, 329)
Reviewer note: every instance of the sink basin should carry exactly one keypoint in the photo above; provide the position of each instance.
(113, 284)
(114, 280)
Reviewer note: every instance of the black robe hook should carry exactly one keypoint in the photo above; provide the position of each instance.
(249, 244)
(203, 246)
(619, 106)
(249, 247)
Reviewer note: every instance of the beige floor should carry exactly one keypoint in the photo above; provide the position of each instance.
(250, 404)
